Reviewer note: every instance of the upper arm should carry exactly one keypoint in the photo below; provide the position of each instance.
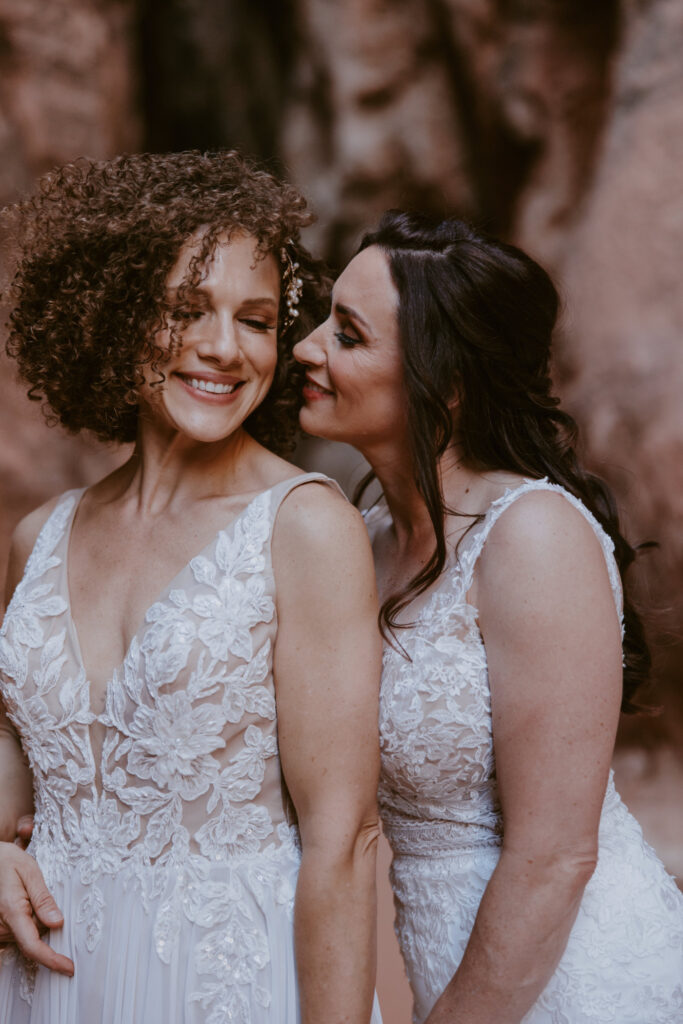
(22, 543)
(17, 798)
(553, 644)
(327, 664)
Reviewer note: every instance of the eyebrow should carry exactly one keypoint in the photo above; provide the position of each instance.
(265, 300)
(200, 289)
(354, 314)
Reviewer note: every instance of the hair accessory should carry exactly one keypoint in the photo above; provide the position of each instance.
(292, 286)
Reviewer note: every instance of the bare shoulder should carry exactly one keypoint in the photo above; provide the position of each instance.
(541, 524)
(542, 543)
(23, 541)
(315, 515)
(322, 558)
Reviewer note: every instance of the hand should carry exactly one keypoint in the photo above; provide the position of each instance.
(25, 905)
(24, 831)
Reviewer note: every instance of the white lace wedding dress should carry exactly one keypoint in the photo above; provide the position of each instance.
(162, 825)
(623, 963)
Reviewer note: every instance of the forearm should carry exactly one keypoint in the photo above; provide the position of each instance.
(16, 798)
(335, 932)
(519, 936)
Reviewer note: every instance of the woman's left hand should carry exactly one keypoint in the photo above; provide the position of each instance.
(26, 907)
(24, 831)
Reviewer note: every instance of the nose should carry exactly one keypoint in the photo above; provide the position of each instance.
(219, 341)
(311, 350)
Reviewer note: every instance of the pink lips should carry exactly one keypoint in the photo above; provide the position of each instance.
(312, 391)
(212, 397)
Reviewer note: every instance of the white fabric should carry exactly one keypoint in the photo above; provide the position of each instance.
(438, 797)
(162, 825)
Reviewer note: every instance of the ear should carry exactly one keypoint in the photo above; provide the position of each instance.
(453, 403)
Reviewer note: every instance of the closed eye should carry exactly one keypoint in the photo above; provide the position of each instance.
(258, 325)
(346, 339)
(187, 315)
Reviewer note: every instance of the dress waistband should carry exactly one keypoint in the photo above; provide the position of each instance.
(436, 838)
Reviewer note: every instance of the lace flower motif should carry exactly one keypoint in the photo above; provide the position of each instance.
(173, 744)
(102, 836)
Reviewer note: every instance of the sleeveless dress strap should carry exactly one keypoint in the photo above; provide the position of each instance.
(471, 554)
(56, 526)
(376, 517)
(280, 491)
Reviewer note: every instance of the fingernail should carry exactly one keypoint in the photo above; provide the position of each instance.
(53, 915)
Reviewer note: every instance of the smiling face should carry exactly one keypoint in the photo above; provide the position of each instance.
(223, 366)
(354, 373)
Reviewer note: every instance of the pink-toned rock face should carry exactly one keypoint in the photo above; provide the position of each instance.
(67, 84)
(619, 263)
(560, 125)
(557, 124)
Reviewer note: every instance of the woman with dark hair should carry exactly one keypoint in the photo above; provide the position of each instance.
(524, 890)
(201, 737)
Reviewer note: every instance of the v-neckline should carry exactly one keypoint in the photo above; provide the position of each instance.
(159, 597)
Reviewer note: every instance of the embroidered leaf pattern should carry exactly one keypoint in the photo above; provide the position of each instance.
(164, 789)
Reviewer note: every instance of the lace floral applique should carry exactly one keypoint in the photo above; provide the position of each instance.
(194, 681)
(439, 803)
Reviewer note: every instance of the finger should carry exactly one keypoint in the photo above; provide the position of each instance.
(42, 929)
(25, 827)
(46, 910)
(31, 945)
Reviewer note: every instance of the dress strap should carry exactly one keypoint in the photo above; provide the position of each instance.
(469, 556)
(280, 491)
(375, 517)
(56, 527)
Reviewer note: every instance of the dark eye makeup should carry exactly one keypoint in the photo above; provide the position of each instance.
(258, 325)
(346, 340)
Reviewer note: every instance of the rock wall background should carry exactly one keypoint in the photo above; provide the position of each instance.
(68, 86)
(556, 123)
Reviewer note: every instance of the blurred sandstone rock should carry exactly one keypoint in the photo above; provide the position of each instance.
(373, 121)
(560, 125)
(557, 123)
(622, 351)
(67, 89)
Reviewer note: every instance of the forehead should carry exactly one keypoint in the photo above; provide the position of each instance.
(235, 261)
(367, 286)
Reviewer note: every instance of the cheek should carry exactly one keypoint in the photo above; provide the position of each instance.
(346, 373)
(360, 382)
(264, 358)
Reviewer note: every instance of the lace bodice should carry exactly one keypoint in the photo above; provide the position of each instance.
(179, 771)
(441, 813)
(435, 717)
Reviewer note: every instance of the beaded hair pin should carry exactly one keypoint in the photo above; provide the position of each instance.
(292, 286)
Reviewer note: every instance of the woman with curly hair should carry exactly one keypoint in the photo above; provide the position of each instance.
(524, 889)
(200, 735)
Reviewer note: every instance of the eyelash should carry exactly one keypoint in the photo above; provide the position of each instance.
(346, 340)
(188, 315)
(258, 325)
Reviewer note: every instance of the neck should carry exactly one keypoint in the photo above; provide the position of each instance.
(408, 508)
(166, 468)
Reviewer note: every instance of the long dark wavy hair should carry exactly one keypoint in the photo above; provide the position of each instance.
(93, 247)
(476, 318)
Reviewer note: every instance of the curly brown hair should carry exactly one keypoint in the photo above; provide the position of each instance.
(95, 246)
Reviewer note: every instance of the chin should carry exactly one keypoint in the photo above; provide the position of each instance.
(317, 425)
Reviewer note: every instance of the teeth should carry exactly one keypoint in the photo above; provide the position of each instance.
(316, 387)
(212, 386)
